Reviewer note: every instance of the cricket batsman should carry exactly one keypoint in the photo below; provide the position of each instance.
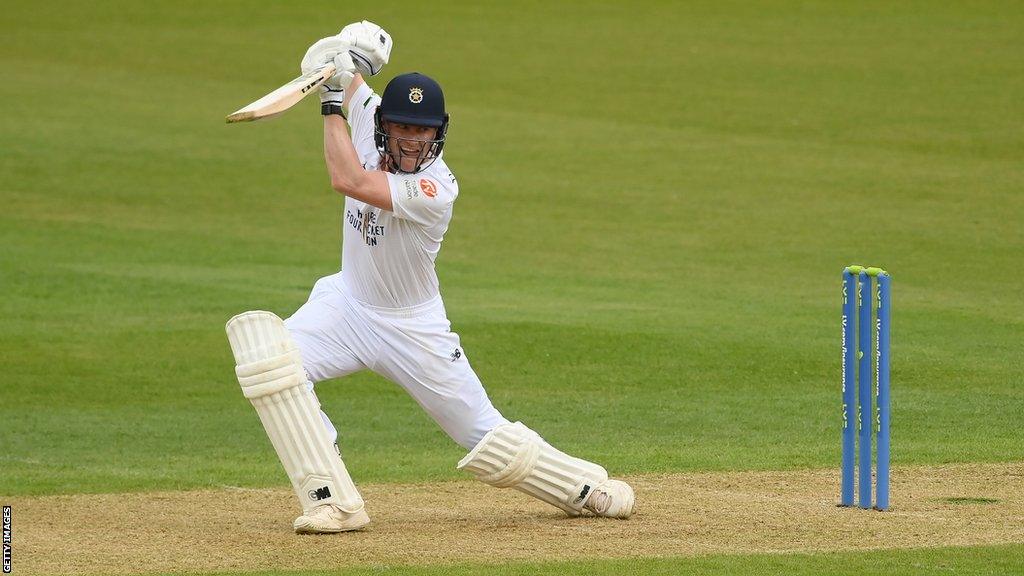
(383, 311)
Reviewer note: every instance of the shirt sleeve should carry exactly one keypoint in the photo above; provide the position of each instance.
(361, 110)
(423, 199)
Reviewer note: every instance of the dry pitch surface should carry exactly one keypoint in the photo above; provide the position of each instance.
(678, 515)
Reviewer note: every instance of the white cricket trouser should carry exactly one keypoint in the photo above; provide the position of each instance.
(414, 347)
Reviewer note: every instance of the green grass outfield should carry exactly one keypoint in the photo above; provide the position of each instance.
(656, 204)
(981, 560)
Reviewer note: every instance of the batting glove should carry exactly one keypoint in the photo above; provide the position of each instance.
(370, 46)
(322, 52)
(333, 90)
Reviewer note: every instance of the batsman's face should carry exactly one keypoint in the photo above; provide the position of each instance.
(409, 144)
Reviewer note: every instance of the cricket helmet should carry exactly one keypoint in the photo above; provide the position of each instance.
(415, 99)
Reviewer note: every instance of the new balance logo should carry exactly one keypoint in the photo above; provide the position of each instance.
(320, 493)
(456, 355)
(583, 494)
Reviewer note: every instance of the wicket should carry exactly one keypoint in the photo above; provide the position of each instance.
(860, 351)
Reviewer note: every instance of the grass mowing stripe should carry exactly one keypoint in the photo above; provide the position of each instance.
(965, 561)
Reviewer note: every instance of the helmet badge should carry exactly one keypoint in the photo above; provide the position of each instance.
(416, 95)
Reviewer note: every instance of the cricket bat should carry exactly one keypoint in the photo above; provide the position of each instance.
(283, 98)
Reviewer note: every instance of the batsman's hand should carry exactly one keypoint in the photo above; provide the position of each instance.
(333, 90)
(322, 52)
(331, 50)
(370, 46)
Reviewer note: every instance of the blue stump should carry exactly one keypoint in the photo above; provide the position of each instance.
(849, 391)
(864, 411)
(884, 323)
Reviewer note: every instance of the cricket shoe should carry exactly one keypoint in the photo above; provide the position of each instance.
(612, 499)
(328, 519)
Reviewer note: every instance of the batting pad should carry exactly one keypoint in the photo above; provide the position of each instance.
(513, 456)
(269, 368)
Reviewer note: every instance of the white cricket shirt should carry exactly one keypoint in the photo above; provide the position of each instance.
(387, 257)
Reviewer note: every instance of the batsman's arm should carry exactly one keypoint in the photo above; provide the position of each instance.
(357, 81)
(346, 172)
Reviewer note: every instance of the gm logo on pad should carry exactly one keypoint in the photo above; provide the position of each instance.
(322, 493)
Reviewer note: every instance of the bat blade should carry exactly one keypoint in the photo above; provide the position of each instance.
(283, 98)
